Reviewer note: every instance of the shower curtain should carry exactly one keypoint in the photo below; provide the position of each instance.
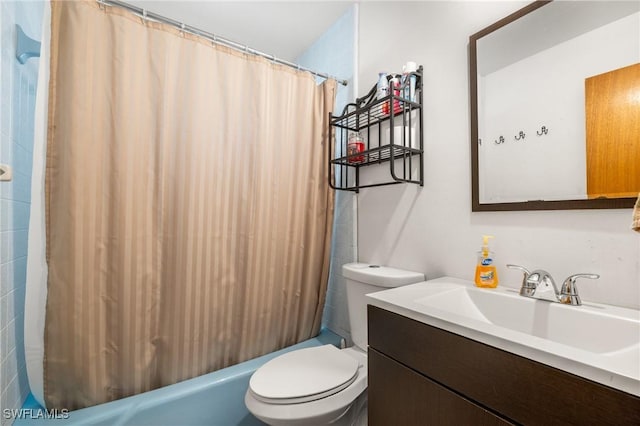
(188, 217)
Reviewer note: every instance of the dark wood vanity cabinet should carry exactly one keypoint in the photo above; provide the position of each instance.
(400, 396)
(423, 375)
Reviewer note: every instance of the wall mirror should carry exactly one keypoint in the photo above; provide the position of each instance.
(555, 107)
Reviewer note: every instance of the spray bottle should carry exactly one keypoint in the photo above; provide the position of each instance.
(382, 91)
(486, 273)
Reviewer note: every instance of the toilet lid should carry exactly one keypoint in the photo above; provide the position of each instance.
(304, 375)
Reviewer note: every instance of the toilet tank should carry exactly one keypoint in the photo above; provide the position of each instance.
(362, 279)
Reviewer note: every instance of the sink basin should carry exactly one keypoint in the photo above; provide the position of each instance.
(586, 327)
(595, 341)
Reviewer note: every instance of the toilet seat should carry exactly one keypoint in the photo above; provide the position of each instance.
(321, 411)
(304, 375)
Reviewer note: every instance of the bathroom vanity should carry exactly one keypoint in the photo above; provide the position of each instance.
(443, 367)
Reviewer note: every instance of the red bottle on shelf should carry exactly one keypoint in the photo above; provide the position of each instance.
(394, 84)
(355, 145)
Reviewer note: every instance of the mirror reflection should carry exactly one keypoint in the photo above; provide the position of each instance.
(558, 114)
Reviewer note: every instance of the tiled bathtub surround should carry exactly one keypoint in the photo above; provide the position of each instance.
(333, 53)
(18, 89)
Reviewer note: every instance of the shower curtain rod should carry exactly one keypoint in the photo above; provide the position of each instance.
(150, 16)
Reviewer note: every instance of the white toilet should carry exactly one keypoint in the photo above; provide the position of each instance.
(324, 384)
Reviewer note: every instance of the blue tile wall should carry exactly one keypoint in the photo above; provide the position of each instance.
(333, 53)
(17, 91)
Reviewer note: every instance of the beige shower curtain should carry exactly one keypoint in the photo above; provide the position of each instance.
(188, 212)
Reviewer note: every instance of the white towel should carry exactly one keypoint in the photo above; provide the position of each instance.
(635, 225)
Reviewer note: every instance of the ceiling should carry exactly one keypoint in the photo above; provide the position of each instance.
(281, 28)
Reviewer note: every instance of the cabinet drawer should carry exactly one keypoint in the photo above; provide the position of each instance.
(400, 396)
(521, 389)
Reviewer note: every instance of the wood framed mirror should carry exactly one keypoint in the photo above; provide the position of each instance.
(555, 108)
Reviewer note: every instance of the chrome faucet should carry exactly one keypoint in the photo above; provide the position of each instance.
(539, 284)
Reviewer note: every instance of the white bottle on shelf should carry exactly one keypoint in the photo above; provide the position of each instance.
(382, 91)
(410, 89)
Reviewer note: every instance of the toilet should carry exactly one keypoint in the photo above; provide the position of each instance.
(325, 385)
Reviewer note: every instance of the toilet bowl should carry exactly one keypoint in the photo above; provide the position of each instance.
(342, 375)
(325, 385)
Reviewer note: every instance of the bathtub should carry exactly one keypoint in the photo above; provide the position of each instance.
(213, 399)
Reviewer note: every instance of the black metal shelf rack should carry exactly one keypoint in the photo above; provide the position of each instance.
(376, 120)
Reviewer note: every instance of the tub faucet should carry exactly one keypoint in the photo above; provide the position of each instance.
(539, 284)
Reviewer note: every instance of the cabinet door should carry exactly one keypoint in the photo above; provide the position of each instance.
(400, 396)
(613, 133)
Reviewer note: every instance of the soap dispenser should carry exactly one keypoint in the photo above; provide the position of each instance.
(486, 273)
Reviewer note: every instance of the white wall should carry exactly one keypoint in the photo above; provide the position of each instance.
(432, 229)
(546, 89)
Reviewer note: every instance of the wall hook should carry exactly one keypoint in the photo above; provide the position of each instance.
(521, 135)
(543, 131)
(26, 47)
(499, 141)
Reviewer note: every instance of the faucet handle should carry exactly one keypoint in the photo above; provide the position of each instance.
(522, 268)
(527, 288)
(569, 292)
